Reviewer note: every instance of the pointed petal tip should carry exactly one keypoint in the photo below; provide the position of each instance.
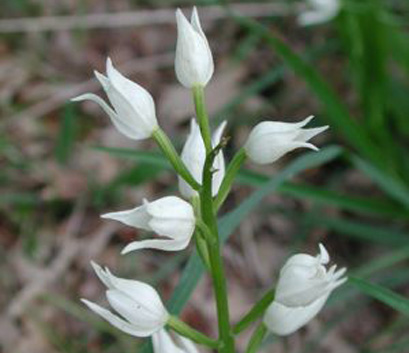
(308, 119)
(195, 14)
(323, 256)
(80, 98)
(127, 249)
(310, 146)
(179, 14)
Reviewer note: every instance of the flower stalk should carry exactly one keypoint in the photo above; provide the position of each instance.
(255, 312)
(169, 151)
(185, 330)
(256, 339)
(228, 180)
(202, 117)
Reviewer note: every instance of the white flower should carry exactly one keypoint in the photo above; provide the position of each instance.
(270, 140)
(321, 11)
(194, 156)
(141, 309)
(303, 288)
(169, 216)
(134, 109)
(163, 343)
(193, 62)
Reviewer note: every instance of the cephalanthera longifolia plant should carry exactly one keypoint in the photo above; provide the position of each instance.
(304, 282)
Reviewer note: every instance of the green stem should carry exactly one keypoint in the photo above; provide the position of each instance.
(202, 249)
(255, 312)
(231, 172)
(185, 330)
(218, 275)
(202, 118)
(256, 339)
(200, 238)
(169, 150)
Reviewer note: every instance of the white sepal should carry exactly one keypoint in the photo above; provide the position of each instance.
(321, 11)
(283, 320)
(304, 278)
(163, 343)
(193, 61)
(270, 140)
(134, 109)
(194, 156)
(141, 310)
(170, 217)
(303, 287)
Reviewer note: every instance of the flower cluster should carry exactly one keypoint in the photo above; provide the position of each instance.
(304, 284)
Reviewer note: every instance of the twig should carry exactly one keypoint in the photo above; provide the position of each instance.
(135, 18)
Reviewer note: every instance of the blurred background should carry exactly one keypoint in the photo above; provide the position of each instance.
(63, 164)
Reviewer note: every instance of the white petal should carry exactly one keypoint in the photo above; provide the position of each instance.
(107, 109)
(102, 275)
(307, 134)
(172, 217)
(323, 11)
(323, 255)
(138, 313)
(339, 273)
(158, 244)
(186, 344)
(282, 320)
(297, 286)
(116, 321)
(162, 343)
(193, 155)
(141, 293)
(137, 96)
(137, 217)
(193, 59)
(195, 22)
(219, 163)
(103, 80)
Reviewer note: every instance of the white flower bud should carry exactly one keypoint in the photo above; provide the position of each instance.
(169, 216)
(194, 156)
(270, 140)
(303, 287)
(141, 309)
(134, 109)
(193, 62)
(163, 343)
(321, 11)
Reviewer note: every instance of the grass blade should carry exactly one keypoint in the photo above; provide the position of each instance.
(391, 186)
(384, 295)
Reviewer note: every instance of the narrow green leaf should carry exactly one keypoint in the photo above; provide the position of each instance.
(66, 136)
(384, 295)
(151, 157)
(390, 185)
(328, 197)
(356, 229)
